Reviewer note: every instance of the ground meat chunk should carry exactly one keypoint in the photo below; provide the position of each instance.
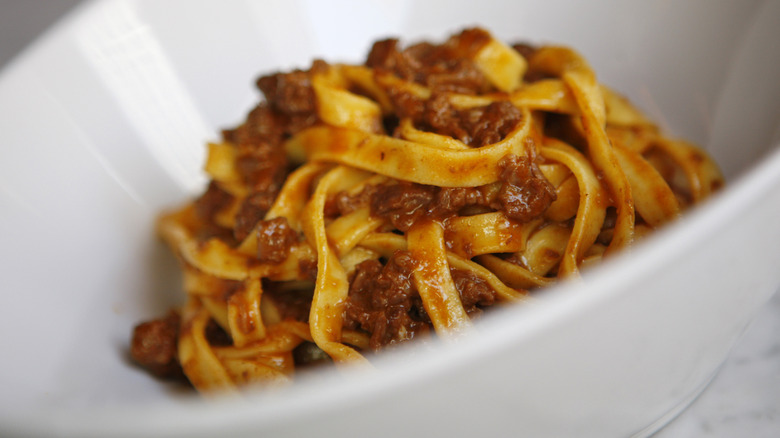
(406, 104)
(441, 117)
(275, 237)
(252, 210)
(291, 304)
(475, 293)
(386, 55)
(460, 75)
(264, 169)
(469, 41)
(528, 51)
(456, 76)
(261, 159)
(441, 67)
(446, 68)
(307, 268)
(476, 127)
(154, 346)
(343, 203)
(262, 125)
(525, 50)
(492, 123)
(291, 96)
(216, 335)
(289, 93)
(525, 193)
(451, 200)
(211, 201)
(262, 166)
(403, 203)
(384, 302)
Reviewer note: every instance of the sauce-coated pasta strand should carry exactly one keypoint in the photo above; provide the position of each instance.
(359, 207)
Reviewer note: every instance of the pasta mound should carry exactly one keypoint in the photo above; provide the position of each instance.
(359, 207)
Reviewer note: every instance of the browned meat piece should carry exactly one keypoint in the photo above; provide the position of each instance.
(154, 346)
(384, 302)
(475, 292)
(403, 203)
(442, 67)
(274, 240)
(525, 193)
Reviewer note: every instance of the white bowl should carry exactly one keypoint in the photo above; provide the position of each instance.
(104, 122)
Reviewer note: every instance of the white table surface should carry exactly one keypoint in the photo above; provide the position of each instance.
(742, 401)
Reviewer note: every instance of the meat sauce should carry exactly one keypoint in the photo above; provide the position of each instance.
(154, 346)
(383, 301)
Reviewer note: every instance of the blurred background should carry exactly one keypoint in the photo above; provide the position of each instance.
(22, 20)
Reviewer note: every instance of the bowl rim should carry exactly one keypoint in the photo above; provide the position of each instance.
(322, 392)
(559, 303)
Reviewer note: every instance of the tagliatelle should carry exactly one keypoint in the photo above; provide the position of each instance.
(363, 206)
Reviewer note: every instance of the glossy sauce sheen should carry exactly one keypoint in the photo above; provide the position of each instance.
(359, 207)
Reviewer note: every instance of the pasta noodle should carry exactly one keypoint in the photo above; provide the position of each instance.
(362, 206)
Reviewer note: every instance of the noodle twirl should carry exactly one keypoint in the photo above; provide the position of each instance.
(363, 206)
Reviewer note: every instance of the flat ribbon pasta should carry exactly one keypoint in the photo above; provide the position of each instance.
(363, 206)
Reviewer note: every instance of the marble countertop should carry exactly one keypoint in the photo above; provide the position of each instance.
(744, 398)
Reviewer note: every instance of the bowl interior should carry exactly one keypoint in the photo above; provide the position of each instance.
(130, 92)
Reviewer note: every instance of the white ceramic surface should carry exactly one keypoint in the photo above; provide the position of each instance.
(104, 122)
